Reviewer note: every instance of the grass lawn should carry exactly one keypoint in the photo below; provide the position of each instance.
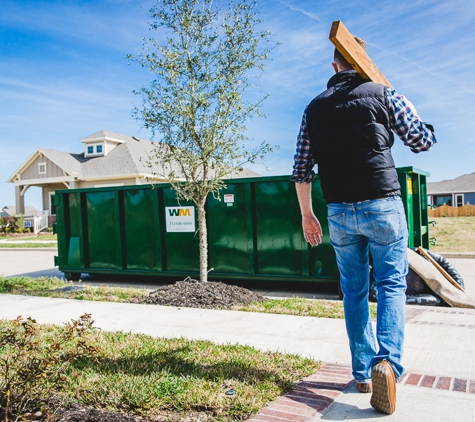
(453, 234)
(46, 287)
(146, 376)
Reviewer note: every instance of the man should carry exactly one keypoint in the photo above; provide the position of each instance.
(347, 132)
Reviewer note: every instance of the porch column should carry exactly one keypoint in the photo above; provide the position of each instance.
(19, 201)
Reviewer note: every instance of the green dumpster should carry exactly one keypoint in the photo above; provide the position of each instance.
(254, 231)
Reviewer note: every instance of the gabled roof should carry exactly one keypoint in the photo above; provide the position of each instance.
(131, 157)
(10, 211)
(107, 135)
(462, 184)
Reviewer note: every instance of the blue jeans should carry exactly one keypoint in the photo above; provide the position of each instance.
(378, 227)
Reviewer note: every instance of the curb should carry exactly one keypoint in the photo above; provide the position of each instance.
(29, 249)
(465, 255)
(309, 398)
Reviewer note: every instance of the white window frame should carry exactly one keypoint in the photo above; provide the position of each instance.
(42, 168)
(457, 196)
(50, 205)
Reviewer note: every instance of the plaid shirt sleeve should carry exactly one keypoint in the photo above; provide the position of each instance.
(416, 134)
(303, 158)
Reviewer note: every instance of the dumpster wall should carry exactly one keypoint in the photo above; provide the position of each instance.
(254, 231)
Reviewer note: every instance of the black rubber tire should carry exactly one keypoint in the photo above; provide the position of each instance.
(72, 276)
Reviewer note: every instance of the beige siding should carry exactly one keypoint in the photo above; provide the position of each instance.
(32, 171)
(99, 183)
(46, 193)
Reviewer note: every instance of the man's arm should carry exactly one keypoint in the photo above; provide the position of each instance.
(408, 126)
(303, 175)
(311, 226)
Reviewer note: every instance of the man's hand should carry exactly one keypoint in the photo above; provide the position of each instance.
(312, 230)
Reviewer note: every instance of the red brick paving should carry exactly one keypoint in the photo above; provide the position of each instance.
(413, 379)
(428, 381)
(317, 392)
(444, 383)
(309, 397)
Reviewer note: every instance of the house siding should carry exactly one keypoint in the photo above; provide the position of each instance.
(32, 171)
(469, 197)
(46, 193)
(98, 184)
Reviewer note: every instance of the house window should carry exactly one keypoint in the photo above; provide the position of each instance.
(99, 149)
(41, 168)
(90, 150)
(459, 200)
(443, 199)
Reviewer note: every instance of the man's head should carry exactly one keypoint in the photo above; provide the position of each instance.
(339, 62)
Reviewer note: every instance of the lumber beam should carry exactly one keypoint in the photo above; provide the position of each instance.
(354, 54)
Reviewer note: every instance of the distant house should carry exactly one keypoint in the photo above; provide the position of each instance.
(109, 159)
(9, 211)
(456, 192)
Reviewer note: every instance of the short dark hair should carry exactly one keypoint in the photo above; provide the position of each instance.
(342, 62)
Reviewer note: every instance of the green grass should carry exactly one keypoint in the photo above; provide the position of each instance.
(27, 245)
(148, 376)
(45, 287)
(302, 307)
(9, 238)
(453, 234)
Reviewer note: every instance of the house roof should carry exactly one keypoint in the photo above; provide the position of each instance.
(10, 211)
(131, 157)
(462, 184)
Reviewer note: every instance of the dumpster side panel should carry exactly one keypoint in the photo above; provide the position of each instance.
(322, 260)
(227, 230)
(182, 248)
(279, 246)
(103, 230)
(142, 246)
(73, 230)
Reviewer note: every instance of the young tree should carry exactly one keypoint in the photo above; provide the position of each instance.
(204, 57)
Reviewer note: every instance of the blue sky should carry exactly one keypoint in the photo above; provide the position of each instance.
(64, 75)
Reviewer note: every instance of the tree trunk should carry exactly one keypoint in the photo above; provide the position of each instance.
(203, 233)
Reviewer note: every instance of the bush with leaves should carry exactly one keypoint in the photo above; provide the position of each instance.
(33, 361)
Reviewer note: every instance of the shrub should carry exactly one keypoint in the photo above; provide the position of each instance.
(33, 362)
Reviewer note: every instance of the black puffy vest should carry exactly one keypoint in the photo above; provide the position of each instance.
(348, 126)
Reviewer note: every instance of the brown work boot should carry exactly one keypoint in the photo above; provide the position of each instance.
(364, 387)
(384, 388)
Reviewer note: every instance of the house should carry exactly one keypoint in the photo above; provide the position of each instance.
(456, 192)
(108, 159)
(9, 211)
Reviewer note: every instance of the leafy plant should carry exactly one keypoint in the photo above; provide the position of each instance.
(32, 366)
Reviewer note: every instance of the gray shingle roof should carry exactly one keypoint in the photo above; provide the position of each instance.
(131, 157)
(462, 184)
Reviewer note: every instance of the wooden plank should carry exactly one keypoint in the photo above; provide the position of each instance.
(346, 44)
(439, 267)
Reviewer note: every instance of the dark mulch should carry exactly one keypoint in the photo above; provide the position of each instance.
(196, 294)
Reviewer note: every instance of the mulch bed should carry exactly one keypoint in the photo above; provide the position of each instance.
(192, 293)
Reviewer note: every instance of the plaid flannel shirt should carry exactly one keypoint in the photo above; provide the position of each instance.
(415, 134)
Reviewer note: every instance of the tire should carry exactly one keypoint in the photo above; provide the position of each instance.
(72, 276)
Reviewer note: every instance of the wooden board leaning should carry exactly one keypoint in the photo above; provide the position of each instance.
(439, 267)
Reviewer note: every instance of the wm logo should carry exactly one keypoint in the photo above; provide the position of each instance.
(179, 212)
